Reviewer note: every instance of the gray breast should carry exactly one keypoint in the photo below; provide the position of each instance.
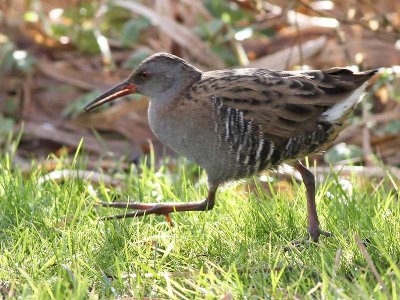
(190, 132)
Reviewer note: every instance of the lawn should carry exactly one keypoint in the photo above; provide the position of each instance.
(54, 244)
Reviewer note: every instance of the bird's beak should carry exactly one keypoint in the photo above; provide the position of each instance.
(122, 89)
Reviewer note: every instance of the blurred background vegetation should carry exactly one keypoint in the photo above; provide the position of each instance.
(55, 56)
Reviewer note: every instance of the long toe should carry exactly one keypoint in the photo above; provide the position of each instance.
(315, 234)
(134, 214)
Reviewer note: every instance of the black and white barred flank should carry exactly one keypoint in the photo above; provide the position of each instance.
(252, 151)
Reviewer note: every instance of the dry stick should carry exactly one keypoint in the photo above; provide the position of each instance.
(94, 177)
(178, 32)
(374, 7)
(381, 117)
(366, 146)
(315, 288)
(48, 69)
(364, 25)
(341, 37)
(344, 171)
(366, 141)
(227, 296)
(26, 98)
(337, 261)
(298, 38)
(282, 14)
(371, 265)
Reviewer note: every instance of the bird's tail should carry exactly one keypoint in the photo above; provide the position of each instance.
(343, 108)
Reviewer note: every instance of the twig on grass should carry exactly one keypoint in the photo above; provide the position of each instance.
(371, 265)
(94, 177)
(337, 261)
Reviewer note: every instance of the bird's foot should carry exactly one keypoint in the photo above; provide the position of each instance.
(141, 209)
(312, 236)
(316, 233)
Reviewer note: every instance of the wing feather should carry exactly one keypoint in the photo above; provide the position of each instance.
(284, 104)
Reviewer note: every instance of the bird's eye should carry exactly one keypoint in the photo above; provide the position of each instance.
(143, 75)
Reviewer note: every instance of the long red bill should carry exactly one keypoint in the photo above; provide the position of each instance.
(116, 92)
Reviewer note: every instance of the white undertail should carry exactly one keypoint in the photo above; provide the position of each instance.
(337, 111)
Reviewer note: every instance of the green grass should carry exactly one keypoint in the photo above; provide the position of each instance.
(54, 246)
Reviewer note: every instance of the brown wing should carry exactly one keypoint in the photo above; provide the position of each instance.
(284, 104)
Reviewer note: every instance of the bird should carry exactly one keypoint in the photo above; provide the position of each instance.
(236, 123)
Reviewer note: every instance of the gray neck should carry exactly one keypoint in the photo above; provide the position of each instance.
(178, 86)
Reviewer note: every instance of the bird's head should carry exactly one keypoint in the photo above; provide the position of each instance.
(162, 75)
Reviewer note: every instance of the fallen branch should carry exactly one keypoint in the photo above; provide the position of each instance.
(337, 261)
(376, 118)
(343, 171)
(50, 132)
(179, 33)
(52, 71)
(371, 265)
(278, 60)
(92, 176)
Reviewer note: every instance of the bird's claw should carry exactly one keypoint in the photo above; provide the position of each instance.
(135, 214)
(141, 209)
(309, 238)
(315, 234)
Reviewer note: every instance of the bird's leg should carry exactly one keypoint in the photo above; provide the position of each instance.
(312, 216)
(166, 208)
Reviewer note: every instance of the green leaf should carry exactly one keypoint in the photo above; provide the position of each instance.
(76, 107)
(342, 152)
(59, 29)
(209, 30)
(31, 16)
(25, 64)
(226, 54)
(6, 125)
(228, 11)
(132, 29)
(11, 105)
(136, 58)
(6, 56)
(393, 127)
(115, 16)
(86, 42)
